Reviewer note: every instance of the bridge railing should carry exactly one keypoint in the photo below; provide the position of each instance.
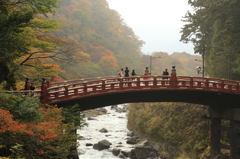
(85, 88)
(208, 84)
(67, 90)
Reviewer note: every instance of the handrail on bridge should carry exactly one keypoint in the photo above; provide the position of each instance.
(58, 91)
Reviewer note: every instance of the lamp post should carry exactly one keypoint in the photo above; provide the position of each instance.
(151, 57)
(204, 48)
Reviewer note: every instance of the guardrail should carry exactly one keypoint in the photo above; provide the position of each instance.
(50, 93)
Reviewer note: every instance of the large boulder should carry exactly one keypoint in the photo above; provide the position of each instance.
(116, 151)
(132, 141)
(145, 150)
(103, 144)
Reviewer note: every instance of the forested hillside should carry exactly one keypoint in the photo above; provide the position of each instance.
(182, 125)
(72, 39)
(100, 34)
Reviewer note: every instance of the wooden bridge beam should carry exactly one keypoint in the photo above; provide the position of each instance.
(234, 139)
(234, 116)
(215, 136)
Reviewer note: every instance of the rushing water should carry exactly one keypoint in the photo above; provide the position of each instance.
(116, 124)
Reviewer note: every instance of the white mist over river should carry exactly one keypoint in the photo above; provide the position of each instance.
(115, 123)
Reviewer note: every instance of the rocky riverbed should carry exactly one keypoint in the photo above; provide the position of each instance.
(107, 136)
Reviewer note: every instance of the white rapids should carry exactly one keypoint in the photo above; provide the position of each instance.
(115, 123)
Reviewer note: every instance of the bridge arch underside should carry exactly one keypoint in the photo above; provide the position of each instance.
(213, 99)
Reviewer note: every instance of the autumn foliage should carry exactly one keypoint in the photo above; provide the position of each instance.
(7, 123)
(48, 136)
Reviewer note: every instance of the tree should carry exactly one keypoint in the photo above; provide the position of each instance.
(215, 23)
(26, 36)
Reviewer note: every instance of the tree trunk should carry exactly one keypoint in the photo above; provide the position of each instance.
(8, 76)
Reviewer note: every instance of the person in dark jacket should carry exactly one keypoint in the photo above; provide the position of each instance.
(165, 73)
(133, 73)
(32, 87)
(126, 72)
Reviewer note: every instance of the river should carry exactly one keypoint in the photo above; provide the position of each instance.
(115, 123)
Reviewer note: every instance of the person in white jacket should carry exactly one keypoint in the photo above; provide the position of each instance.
(121, 74)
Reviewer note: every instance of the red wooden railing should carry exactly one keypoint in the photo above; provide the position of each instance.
(57, 92)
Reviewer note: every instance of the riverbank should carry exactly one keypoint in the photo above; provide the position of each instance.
(107, 137)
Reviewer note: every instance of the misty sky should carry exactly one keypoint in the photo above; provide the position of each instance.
(157, 22)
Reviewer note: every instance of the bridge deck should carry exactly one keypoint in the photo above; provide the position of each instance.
(67, 90)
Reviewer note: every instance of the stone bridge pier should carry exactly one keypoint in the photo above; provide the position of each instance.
(233, 129)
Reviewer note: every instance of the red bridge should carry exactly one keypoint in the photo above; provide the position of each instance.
(98, 92)
(222, 96)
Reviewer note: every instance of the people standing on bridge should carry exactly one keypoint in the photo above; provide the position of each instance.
(133, 73)
(121, 73)
(165, 73)
(126, 72)
(32, 87)
(146, 73)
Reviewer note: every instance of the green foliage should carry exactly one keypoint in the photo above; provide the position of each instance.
(214, 29)
(178, 123)
(17, 151)
(73, 114)
(23, 107)
(31, 130)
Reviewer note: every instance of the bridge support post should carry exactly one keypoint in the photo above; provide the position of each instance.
(138, 82)
(103, 85)
(155, 82)
(234, 139)
(66, 91)
(173, 79)
(44, 91)
(233, 129)
(215, 136)
(27, 84)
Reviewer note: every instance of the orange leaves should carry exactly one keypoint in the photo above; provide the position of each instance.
(50, 123)
(8, 124)
(97, 52)
(46, 127)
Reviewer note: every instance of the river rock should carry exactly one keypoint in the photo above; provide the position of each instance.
(95, 146)
(103, 144)
(121, 156)
(145, 150)
(116, 151)
(89, 144)
(125, 153)
(130, 133)
(131, 141)
(91, 118)
(121, 110)
(132, 154)
(102, 110)
(103, 130)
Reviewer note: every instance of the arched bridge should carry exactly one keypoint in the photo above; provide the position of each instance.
(98, 92)
(221, 95)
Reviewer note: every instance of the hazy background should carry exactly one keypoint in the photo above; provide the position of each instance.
(157, 22)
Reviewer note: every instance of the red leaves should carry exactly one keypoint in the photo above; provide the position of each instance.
(46, 127)
(8, 124)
